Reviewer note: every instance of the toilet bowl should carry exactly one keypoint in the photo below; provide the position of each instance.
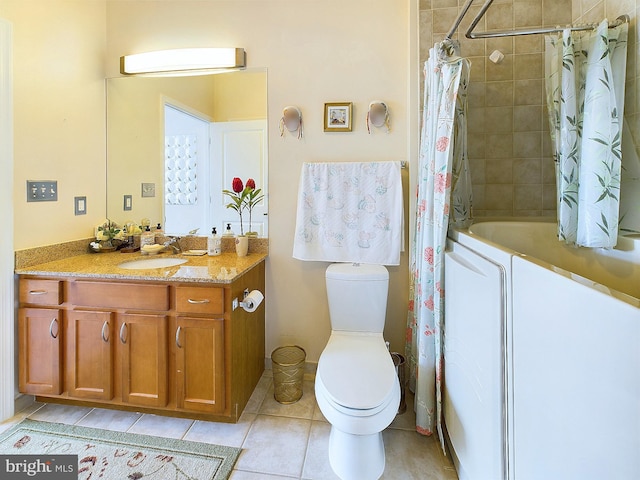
(356, 386)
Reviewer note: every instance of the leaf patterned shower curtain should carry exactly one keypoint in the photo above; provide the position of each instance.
(585, 75)
(444, 196)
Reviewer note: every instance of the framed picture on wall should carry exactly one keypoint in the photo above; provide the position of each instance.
(338, 117)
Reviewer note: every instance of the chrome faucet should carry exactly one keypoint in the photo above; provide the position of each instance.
(174, 244)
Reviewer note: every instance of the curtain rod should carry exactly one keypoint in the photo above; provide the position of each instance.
(512, 33)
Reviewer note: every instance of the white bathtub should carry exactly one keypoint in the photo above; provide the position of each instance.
(542, 355)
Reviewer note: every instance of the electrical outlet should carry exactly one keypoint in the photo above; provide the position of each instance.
(42, 191)
(80, 205)
(128, 203)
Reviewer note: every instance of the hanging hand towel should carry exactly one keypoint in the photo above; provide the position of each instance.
(349, 212)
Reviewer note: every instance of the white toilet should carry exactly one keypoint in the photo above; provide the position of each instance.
(357, 387)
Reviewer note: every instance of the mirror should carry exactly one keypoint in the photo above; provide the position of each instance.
(174, 143)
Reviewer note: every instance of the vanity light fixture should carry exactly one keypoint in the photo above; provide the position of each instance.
(183, 61)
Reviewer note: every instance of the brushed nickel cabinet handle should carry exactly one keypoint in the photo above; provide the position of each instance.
(198, 302)
(178, 337)
(37, 292)
(123, 328)
(53, 322)
(105, 332)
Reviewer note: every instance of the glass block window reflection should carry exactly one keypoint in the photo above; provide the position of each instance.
(181, 180)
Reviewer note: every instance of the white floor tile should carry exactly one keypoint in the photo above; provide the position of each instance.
(242, 475)
(259, 394)
(275, 445)
(303, 408)
(411, 456)
(316, 463)
(117, 420)
(227, 434)
(53, 412)
(160, 426)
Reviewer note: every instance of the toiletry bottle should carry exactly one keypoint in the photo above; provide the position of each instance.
(159, 233)
(148, 237)
(229, 232)
(214, 244)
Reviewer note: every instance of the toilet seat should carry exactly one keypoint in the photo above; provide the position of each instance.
(356, 374)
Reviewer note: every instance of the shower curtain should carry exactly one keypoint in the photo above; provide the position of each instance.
(444, 197)
(585, 75)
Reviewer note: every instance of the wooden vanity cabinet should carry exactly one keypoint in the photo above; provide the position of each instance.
(40, 351)
(145, 359)
(168, 348)
(89, 354)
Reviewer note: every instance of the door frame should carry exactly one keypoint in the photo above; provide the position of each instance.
(7, 299)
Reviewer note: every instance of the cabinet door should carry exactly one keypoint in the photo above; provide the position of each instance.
(143, 339)
(200, 364)
(39, 352)
(89, 363)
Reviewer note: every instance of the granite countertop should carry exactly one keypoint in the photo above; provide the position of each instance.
(105, 266)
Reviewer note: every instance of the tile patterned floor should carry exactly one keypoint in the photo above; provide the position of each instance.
(279, 441)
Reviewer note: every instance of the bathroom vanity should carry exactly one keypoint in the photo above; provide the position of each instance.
(170, 341)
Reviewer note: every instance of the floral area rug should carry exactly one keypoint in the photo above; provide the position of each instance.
(109, 455)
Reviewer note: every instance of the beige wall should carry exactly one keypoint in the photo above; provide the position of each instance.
(58, 115)
(240, 96)
(315, 52)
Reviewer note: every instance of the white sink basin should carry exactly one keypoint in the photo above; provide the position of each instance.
(152, 263)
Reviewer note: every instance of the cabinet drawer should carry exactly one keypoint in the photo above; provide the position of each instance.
(40, 292)
(205, 300)
(120, 295)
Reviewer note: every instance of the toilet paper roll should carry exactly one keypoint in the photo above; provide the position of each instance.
(252, 301)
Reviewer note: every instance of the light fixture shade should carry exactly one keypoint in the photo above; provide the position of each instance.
(182, 60)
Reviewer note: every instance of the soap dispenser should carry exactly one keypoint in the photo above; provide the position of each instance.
(148, 237)
(229, 232)
(214, 244)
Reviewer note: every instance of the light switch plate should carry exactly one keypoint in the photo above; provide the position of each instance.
(42, 191)
(128, 203)
(148, 190)
(80, 205)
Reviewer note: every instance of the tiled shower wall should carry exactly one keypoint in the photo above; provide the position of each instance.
(509, 147)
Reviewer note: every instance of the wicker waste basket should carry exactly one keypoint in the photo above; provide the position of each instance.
(288, 373)
(399, 363)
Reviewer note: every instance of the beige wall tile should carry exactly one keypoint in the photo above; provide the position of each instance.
(548, 171)
(443, 18)
(476, 120)
(443, 3)
(504, 44)
(478, 69)
(528, 197)
(529, 44)
(499, 171)
(527, 144)
(527, 171)
(499, 17)
(477, 167)
(476, 145)
(527, 118)
(498, 197)
(527, 14)
(528, 66)
(500, 71)
(499, 119)
(556, 12)
(499, 94)
(594, 15)
(528, 92)
(478, 198)
(499, 146)
(549, 197)
(476, 95)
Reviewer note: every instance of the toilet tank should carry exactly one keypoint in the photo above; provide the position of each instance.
(357, 296)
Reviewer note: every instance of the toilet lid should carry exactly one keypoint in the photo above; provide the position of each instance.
(356, 370)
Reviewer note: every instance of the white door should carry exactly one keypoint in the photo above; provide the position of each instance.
(186, 184)
(239, 149)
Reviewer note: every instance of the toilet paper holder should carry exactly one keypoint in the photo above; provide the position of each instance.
(251, 304)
